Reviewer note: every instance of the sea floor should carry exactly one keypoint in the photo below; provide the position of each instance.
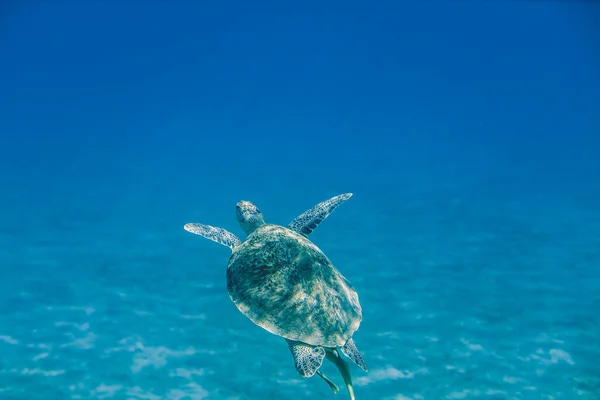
(467, 294)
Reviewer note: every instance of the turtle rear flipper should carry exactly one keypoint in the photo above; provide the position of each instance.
(308, 221)
(308, 359)
(219, 235)
(351, 351)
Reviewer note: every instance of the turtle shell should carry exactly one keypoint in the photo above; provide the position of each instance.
(286, 285)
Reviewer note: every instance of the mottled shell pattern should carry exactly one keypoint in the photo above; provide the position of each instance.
(285, 284)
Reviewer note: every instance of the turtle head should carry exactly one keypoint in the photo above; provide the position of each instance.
(249, 216)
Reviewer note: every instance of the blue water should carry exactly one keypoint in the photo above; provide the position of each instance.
(469, 135)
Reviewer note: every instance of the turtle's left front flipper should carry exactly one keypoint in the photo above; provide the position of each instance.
(308, 221)
(219, 235)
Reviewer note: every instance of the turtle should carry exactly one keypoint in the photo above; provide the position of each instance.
(285, 284)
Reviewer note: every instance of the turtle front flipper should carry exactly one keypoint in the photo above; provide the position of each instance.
(219, 235)
(308, 359)
(308, 221)
(351, 351)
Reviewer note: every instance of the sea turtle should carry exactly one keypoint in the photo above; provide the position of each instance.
(285, 284)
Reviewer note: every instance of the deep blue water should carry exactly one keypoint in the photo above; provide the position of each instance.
(467, 133)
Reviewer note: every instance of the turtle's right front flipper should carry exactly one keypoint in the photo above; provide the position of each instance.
(219, 235)
(308, 221)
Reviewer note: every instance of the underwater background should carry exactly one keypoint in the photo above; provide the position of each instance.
(468, 132)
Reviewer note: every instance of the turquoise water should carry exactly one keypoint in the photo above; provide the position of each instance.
(472, 238)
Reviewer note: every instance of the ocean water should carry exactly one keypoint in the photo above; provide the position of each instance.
(467, 133)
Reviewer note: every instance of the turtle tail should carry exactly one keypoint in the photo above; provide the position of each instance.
(334, 356)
